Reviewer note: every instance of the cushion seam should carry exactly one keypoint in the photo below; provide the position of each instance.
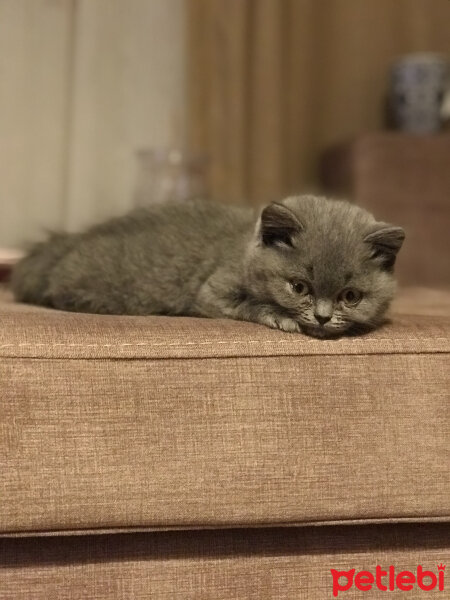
(207, 342)
(423, 519)
(225, 356)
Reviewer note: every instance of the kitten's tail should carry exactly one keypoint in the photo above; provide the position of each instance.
(30, 277)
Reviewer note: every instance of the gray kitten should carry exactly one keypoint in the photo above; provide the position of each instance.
(308, 264)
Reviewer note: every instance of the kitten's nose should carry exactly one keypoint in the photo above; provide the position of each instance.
(322, 319)
(323, 310)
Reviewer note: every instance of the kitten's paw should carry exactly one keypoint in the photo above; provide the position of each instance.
(280, 322)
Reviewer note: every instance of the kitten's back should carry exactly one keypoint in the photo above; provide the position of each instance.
(149, 261)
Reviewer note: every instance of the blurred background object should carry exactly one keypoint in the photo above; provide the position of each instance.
(262, 88)
(419, 84)
(402, 178)
(169, 174)
(8, 257)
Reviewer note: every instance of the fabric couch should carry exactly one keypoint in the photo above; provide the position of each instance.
(275, 457)
(175, 458)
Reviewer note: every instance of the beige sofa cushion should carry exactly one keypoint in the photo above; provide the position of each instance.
(153, 422)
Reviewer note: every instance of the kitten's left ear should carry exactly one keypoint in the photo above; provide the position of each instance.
(277, 226)
(386, 240)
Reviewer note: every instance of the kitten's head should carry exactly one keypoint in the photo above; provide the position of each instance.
(328, 264)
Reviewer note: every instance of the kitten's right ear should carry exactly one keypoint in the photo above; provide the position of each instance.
(278, 225)
(386, 240)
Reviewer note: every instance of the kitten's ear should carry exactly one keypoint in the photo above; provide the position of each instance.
(385, 240)
(278, 225)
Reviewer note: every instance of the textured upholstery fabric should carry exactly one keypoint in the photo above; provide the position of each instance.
(122, 422)
(264, 564)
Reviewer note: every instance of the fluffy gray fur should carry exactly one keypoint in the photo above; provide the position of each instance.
(324, 267)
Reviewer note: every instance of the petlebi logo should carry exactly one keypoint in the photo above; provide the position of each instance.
(389, 579)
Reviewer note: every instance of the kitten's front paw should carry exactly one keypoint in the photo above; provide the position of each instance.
(279, 322)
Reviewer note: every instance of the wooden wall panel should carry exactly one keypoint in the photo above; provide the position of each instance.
(272, 84)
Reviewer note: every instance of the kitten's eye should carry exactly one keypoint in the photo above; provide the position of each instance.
(350, 296)
(300, 287)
